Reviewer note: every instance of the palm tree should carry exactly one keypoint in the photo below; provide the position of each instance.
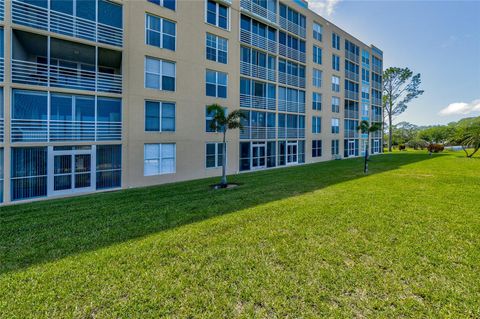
(221, 122)
(471, 138)
(366, 128)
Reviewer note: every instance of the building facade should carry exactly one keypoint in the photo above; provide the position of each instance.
(99, 95)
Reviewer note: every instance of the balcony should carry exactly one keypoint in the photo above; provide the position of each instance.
(54, 21)
(351, 56)
(351, 95)
(351, 134)
(2, 69)
(292, 27)
(377, 134)
(257, 102)
(256, 71)
(376, 101)
(70, 65)
(351, 114)
(255, 40)
(2, 129)
(352, 75)
(292, 80)
(377, 85)
(294, 107)
(291, 132)
(377, 118)
(292, 53)
(257, 133)
(377, 69)
(257, 10)
(2, 10)
(27, 130)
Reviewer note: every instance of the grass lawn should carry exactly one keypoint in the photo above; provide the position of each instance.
(310, 241)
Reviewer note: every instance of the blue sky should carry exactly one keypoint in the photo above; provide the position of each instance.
(439, 39)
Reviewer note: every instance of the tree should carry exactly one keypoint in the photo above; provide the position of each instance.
(400, 87)
(468, 135)
(440, 134)
(221, 122)
(366, 128)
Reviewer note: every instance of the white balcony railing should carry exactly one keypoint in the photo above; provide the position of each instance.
(294, 107)
(2, 129)
(257, 133)
(33, 73)
(292, 27)
(260, 11)
(351, 134)
(351, 95)
(2, 10)
(255, 40)
(41, 18)
(351, 56)
(352, 75)
(376, 101)
(377, 85)
(291, 132)
(289, 79)
(292, 53)
(257, 102)
(256, 71)
(2, 69)
(377, 69)
(61, 131)
(349, 114)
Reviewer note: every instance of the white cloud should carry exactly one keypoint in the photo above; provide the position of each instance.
(323, 7)
(461, 108)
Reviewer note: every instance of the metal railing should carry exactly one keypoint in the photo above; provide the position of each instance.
(377, 69)
(256, 71)
(2, 10)
(33, 73)
(376, 101)
(351, 134)
(352, 75)
(27, 130)
(352, 56)
(376, 118)
(292, 27)
(2, 129)
(257, 102)
(258, 10)
(351, 95)
(377, 85)
(292, 53)
(255, 40)
(291, 132)
(289, 79)
(350, 114)
(254, 133)
(2, 69)
(294, 107)
(42, 18)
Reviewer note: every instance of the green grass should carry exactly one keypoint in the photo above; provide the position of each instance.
(319, 240)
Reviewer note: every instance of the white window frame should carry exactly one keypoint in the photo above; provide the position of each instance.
(159, 159)
(218, 146)
(317, 78)
(335, 83)
(335, 98)
(161, 31)
(217, 15)
(335, 124)
(216, 47)
(317, 29)
(317, 99)
(160, 74)
(160, 117)
(317, 128)
(216, 84)
(317, 54)
(335, 147)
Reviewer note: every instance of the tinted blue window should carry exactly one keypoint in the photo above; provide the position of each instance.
(110, 13)
(62, 6)
(61, 107)
(87, 9)
(109, 110)
(38, 3)
(29, 105)
(152, 116)
(170, 4)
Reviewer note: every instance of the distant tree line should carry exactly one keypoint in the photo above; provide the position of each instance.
(464, 133)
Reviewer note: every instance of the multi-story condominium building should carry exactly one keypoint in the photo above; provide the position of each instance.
(101, 94)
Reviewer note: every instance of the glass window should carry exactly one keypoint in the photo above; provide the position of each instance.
(214, 155)
(169, 4)
(159, 159)
(317, 78)
(317, 55)
(109, 166)
(335, 126)
(159, 116)
(335, 104)
(317, 31)
(160, 32)
(335, 147)
(335, 83)
(316, 148)
(159, 74)
(109, 110)
(217, 49)
(216, 84)
(316, 124)
(316, 101)
(217, 14)
(29, 172)
(335, 41)
(109, 13)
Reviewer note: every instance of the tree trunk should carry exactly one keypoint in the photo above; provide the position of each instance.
(475, 151)
(365, 167)
(390, 132)
(224, 160)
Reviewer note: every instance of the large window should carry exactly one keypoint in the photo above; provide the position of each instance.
(335, 147)
(159, 116)
(335, 104)
(214, 155)
(159, 159)
(159, 74)
(366, 76)
(217, 14)
(317, 55)
(291, 100)
(216, 84)
(1, 175)
(169, 4)
(109, 166)
(317, 31)
(208, 121)
(317, 78)
(316, 124)
(335, 41)
(316, 148)
(335, 62)
(335, 126)
(335, 83)
(29, 172)
(217, 48)
(365, 92)
(316, 101)
(160, 32)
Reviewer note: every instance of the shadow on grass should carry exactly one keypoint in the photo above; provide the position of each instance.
(49, 230)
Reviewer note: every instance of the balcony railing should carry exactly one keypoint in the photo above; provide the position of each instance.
(289, 79)
(33, 73)
(294, 107)
(260, 11)
(352, 75)
(2, 129)
(377, 69)
(292, 27)
(350, 114)
(376, 101)
(63, 131)
(256, 71)
(2, 10)
(291, 132)
(2, 69)
(257, 133)
(41, 18)
(376, 118)
(292, 53)
(351, 95)
(377, 85)
(351, 56)
(351, 134)
(257, 102)
(255, 40)
(377, 134)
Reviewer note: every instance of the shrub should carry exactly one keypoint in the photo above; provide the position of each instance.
(402, 147)
(417, 144)
(435, 148)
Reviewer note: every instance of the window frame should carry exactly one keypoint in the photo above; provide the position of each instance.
(160, 159)
(160, 118)
(316, 124)
(147, 14)
(216, 48)
(317, 148)
(218, 146)
(216, 84)
(217, 15)
(160, 88)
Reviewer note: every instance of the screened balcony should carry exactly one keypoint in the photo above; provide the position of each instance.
(2, 10)
(2, 119)
(264, 9)
(99, 21)
(2, 60)
(66, 65)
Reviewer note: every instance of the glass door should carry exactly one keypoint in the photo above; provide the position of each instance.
(258, 155)
(292, 153)
(351, 148)
(376, 146)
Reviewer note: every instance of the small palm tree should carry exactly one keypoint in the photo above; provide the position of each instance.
(471, 138)
(221, 122)
(366, 128)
